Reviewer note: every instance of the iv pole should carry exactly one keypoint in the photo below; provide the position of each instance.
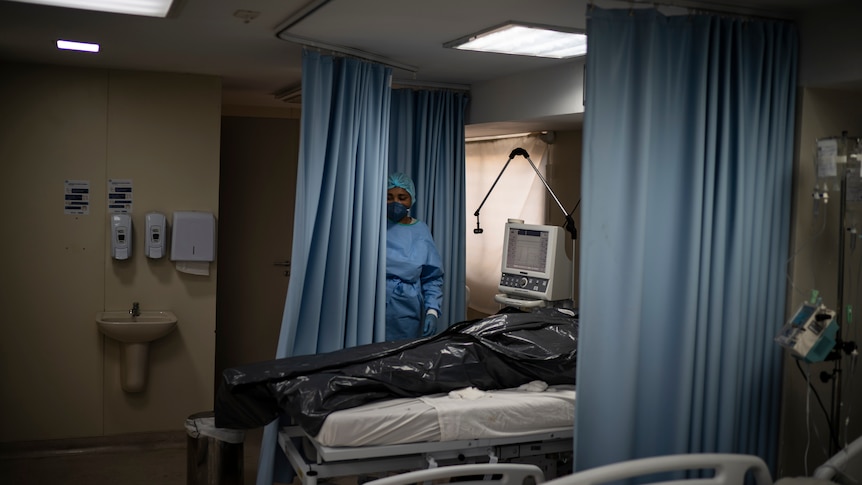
(836, 371)
(843, 314)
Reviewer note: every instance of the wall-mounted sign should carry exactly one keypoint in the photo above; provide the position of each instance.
(119, 196)
(76, 197)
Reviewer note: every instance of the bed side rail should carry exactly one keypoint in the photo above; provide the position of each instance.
(836, 467)
(730, 469)
(497, 474)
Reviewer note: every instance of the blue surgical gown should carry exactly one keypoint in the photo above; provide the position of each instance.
(414, 278)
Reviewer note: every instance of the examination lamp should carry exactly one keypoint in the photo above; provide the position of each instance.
(570, 223)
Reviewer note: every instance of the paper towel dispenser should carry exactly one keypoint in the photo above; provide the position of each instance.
(193, 236)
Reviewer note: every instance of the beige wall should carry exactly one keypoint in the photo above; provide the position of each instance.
(540, 94)
(814, 249)
(60, 376)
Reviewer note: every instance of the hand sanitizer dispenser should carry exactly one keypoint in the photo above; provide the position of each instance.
(121, 236)
(156, 235)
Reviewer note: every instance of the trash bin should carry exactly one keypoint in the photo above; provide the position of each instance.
(214, 455)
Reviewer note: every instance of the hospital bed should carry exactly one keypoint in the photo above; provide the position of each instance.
(720, 469)
(503, 474)
(844, 467)
(527, 425)
(689, 469)
(494, 390)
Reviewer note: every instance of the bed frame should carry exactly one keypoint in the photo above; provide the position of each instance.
(476, 474)
(729, 469)
(845, 466)
(313, 461)
(722, 468)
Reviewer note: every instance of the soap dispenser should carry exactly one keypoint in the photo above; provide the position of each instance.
(121, 236)
(156, 235)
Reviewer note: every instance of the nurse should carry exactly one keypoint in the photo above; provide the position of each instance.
(414, 270)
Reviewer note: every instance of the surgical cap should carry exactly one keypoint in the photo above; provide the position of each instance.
(403, 181)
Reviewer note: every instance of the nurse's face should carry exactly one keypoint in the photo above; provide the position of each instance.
(397, 194)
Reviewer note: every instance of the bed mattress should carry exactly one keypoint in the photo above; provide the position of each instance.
(466, 413)
(501, 351)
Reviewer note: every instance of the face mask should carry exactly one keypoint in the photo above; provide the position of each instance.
(396, 211)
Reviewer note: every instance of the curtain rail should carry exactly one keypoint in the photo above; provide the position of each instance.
(502, 137)
(307, 11)
(701, 8)
(408, 83)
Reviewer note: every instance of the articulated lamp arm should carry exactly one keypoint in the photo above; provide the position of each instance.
(570, 223)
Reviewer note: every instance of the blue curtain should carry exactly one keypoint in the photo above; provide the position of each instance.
(336, 295)
(427, 143)
(688, 151)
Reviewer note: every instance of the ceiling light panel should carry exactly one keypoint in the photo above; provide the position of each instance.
(71, 45)
(149, 8)
(525, 40)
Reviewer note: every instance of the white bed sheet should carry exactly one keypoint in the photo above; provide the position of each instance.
(458, 415)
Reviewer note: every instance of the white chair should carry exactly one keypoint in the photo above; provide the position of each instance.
(496, 474)
(730, 469)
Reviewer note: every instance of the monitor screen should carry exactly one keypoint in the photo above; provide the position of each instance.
(527, 249)
(535, 264)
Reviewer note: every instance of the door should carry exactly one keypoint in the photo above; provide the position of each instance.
(256, 201)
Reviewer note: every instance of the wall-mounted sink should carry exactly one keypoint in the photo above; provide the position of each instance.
(146, 327)
(135, 334)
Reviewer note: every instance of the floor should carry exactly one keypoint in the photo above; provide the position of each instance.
(146, 459)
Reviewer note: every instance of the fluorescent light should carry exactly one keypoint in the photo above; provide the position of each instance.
(77, 46)
(149, 8)
(525, 40)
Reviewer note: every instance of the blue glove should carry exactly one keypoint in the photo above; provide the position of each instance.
(430, 326)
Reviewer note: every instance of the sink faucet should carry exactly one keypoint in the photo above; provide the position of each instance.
(136, 310)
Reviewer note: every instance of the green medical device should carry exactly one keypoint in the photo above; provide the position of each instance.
(810, 333)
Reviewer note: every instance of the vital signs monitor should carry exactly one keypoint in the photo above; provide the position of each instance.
(535, 265)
